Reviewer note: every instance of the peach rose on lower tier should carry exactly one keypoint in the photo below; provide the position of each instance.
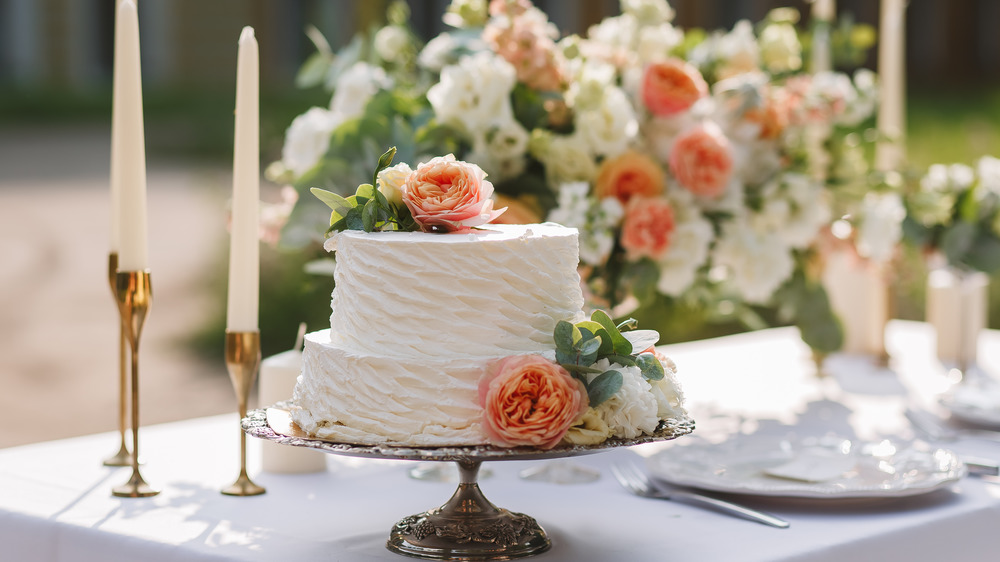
(448, 195)
(672, 86)
(702, 160)
(529, 400)
(630, 174)
(647, 228)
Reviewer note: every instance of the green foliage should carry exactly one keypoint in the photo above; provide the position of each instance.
(580, 345)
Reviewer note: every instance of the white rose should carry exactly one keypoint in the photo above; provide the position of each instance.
(780, 48)
(391, 42)
(308, 138)
(667, 392)
(391, 180)
(475, 93)
(355, 86)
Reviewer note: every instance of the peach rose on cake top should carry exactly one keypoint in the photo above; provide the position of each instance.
(529, 400)
(447, 195)
(630, 174)
(702, 160)
(672, 86)
(647, 228)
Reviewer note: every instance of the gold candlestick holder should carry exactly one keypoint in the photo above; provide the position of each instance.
(134, 293)
(242, 361)
(122, 457)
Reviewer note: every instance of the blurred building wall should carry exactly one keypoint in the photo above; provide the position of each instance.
(69, 43)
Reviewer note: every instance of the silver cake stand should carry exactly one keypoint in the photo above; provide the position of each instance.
(467, 526)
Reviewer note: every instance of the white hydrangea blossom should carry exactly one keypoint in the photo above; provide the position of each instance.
(756, 263)
(475, 93)
(631, 411)
(668, 393)
(881, 226)
(355, 87)
(596, 220)
(308, 138)
(391, 42)
(689, 245)
(566, 158)
(795, 208)
(500, 151)
(656, 41)
(988, 172)
(608, 129)
(939, 188)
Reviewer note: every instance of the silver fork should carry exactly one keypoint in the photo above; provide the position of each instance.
(635, 480)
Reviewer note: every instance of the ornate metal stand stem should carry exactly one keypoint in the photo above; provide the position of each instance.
(242, 361)
(134, 294)
(468, 527)
(122, 457)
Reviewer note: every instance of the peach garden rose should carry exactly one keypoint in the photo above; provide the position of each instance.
(702, 161)
(672, 86)
(448, 195)
(529, 400)
(647, 227)
(630, 174)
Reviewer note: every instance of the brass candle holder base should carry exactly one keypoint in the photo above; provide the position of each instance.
(134, 293)
(123, 457)
(242, 362)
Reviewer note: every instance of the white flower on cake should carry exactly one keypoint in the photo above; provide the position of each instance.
(632, 410)
(308, 138)
(390, 182)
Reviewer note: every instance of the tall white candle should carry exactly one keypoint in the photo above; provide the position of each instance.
(244, 248)
(129, 143)
(823, 14)
(116, 111)
(890, 151)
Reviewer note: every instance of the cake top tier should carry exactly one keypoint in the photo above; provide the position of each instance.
(486, 293)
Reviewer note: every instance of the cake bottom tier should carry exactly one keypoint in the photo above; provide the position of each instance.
(365, 399)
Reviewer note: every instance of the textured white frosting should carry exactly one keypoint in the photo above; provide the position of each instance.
(417, 318)
(491, 292)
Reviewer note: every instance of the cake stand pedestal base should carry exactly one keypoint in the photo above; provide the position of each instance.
(468, 527)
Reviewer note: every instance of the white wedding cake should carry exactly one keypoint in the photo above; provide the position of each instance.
(417, 319)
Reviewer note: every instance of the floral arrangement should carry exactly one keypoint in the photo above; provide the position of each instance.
(954, 212)
(606, 381)
(442, 195)
(701, 169)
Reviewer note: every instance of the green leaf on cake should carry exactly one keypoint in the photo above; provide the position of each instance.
(623, 360)
(369, 216)
(621, 345)
(563, 335)
(627, 325)
(652, 369)
(590, 346)
(574, 368)
(604, 386)
(332, 200)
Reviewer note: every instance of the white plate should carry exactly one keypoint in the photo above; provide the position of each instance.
(975, 402)
(832, 468)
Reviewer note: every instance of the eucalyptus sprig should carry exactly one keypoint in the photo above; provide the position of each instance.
(367, 209)
(579, 346)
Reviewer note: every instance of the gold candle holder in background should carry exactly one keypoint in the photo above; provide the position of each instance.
(134, 294)
(243, 361)
(122, 457)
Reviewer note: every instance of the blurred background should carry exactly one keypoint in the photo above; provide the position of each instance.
(58, 325)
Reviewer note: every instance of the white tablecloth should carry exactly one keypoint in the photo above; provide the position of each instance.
(55, 501)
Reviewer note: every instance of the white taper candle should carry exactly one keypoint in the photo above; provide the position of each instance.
(244, 246)
(129, 143)
(890, 151)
